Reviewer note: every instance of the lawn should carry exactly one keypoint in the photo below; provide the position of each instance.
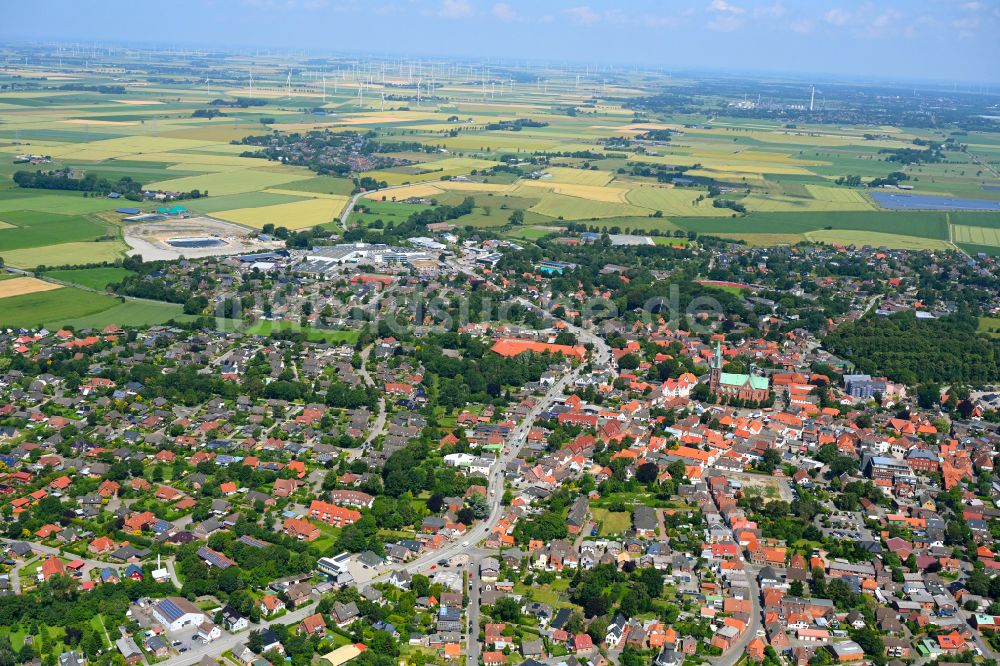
(546, 594)
(266, 327)
(612, 522)
(94, 278)
(328, 537)
(51, 308)
(990, 326)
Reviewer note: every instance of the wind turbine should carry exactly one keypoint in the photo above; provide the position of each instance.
(251, 83)
(208, 87)
(324, 87)
(288, 83)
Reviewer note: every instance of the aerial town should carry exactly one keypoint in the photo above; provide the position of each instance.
(319, 359)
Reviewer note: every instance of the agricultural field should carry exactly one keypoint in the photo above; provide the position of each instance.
(129, 313)
(53, 307)
(783, 176)
(91, 278)
(293, 215)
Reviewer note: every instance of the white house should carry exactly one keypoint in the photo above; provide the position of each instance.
(175, 613)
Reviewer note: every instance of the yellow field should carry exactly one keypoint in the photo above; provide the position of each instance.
(764, 240)
(877, 239)
(294, 215)
(406, 192)
(839, 195)
(65, 253)
(579, 176)
(24, 285)
(209, 133)
(532, 188)
(465, 186)
(963, 233)
(721, 164)
(85, 121)
(750, 179)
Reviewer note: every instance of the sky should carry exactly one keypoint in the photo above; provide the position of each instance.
(943, 40)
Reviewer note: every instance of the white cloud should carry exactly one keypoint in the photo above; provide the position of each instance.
(888, 22)
(801, 26)
(725, 7)
(455, 9)
(837, 16)
(776, 10)
(583, 15)
(504, 12)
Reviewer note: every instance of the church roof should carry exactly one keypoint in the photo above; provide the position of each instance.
(738, 379)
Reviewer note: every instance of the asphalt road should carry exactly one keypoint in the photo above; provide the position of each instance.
(472, 649)
(229, 641)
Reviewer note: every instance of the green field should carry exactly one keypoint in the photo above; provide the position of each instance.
(94, 278)
(32, 228)
(210, 205)
(321, 185)
(922, 224)
(66, 254)
(988, 236)
(51, 308)
(129, 313)
(783, 174)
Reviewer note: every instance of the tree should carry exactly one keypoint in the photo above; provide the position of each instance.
(652, 580)
(420, 584)
(769, 461)
(647, 472)
(628, 362)
(506, 609)
(677, 470)
(928, 394)
(382, 642)
(480, 507)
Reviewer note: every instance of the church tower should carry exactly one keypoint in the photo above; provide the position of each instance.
(715, 370)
